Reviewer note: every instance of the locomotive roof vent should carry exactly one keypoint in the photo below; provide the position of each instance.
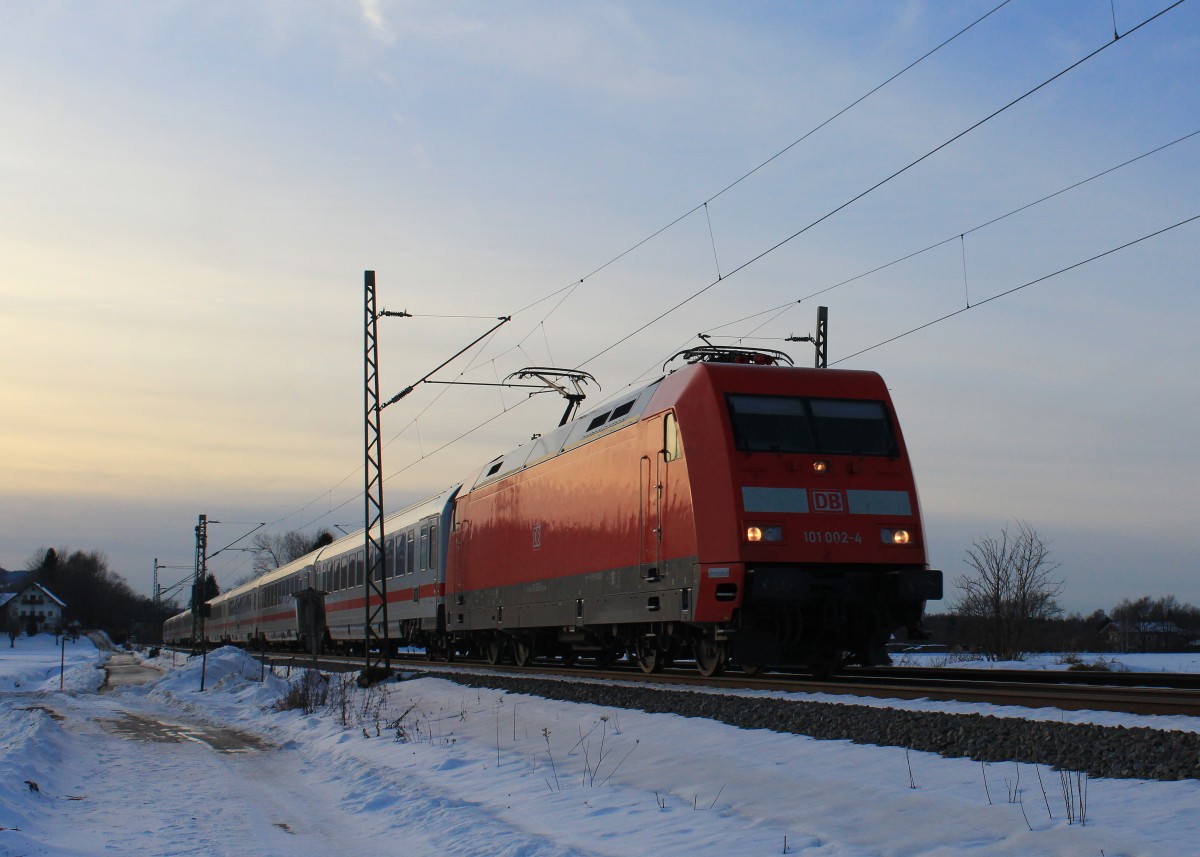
(732, 354)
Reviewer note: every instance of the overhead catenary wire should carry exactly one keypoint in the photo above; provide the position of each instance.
(778, 310)
(566, 291)
(761, 255)
(1015, 289)
(731, 185)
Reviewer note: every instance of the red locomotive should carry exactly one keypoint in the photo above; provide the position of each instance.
(734, 510)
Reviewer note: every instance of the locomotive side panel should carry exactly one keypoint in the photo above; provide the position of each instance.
(580, 539)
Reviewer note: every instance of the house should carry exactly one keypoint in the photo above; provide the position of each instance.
(1148, 636)
(33, 606)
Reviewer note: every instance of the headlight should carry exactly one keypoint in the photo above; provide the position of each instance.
(895, 537)
(764, 534)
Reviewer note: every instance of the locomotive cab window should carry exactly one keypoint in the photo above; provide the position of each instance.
(770, 424)
(852, 427)
(797, 425)
(671, 447)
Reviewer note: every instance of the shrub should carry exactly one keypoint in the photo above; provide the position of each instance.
(306, 693)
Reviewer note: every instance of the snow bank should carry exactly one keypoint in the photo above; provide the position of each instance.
(34, 664)
(31, 757)
(233, 677)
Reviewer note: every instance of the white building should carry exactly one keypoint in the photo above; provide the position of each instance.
(33, 605)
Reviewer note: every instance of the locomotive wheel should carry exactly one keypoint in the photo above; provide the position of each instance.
(522, 653)
(492, 650)
(648, 656)
(710, 657)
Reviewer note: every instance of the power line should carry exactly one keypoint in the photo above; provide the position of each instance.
(568, 290)
(575, 284)
(879, 184)
(910, 255)
(1014, 289)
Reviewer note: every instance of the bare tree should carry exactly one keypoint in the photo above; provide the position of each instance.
(1009, 589)
(273, 551)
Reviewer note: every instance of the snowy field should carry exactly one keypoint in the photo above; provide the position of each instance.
(428, 767)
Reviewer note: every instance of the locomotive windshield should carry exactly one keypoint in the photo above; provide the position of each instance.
(822, 426)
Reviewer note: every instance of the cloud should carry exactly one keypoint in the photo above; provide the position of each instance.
(372, 12)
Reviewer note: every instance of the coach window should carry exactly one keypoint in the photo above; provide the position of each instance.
(433, 546)
(671, 447)
(410, 551)
(424, 561)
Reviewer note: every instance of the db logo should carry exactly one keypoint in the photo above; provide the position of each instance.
(828, 501)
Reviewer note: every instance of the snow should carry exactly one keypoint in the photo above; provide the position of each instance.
(425, 766)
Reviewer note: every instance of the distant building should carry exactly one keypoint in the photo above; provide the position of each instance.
(33, 606)
(1149, 636)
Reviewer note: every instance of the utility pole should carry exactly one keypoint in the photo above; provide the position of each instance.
(375, 667)
(198, 587)
(822, 357)
(198, 584)
(820, 341)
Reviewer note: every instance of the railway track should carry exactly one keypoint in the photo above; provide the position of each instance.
(1162, 753)
(1135, 693)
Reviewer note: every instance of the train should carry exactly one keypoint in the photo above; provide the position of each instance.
(738, 510)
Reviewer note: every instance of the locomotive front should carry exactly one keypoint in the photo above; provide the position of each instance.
(807, 519)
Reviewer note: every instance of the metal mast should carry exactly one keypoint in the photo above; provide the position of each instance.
(375, 628)
(199, 582)
(822, 340)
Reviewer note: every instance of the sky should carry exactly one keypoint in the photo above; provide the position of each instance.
(193, 191)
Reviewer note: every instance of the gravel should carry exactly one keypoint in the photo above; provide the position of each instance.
(1100, 751)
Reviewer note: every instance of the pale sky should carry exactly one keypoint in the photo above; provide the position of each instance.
(192, 193)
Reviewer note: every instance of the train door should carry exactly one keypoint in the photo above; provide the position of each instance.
(650, 492)
(456, 546)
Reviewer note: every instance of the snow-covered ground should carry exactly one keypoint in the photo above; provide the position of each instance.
(425, 767)
(1169, 662)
